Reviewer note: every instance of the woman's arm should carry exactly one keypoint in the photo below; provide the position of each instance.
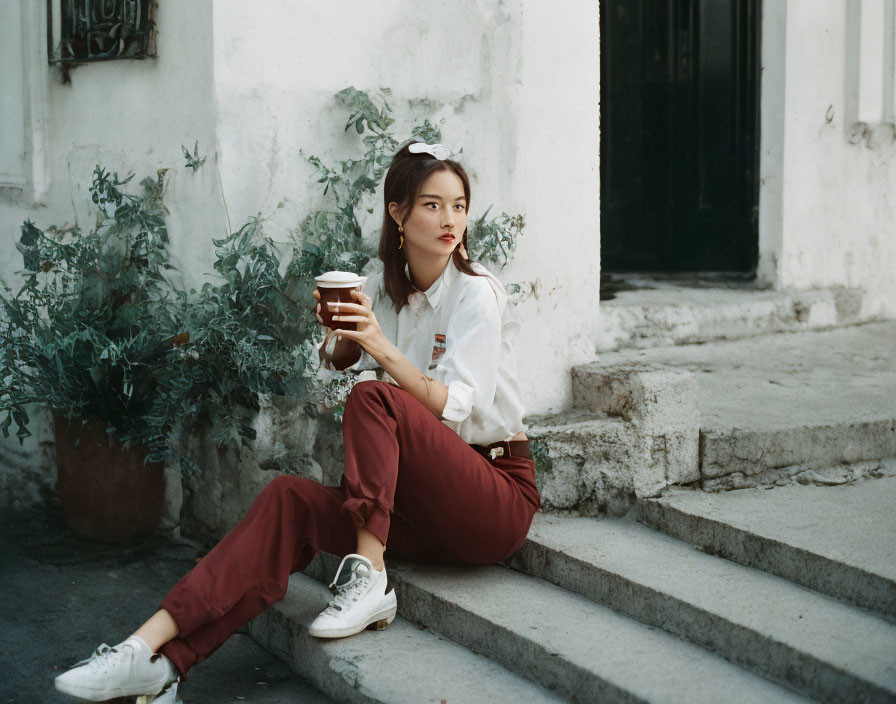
(425, 389)
(431, 393)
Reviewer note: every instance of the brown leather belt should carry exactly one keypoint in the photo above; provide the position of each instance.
(505, 448)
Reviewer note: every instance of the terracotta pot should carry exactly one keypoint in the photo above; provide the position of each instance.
(106, 492)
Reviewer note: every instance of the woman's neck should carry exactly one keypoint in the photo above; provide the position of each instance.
(425, 271)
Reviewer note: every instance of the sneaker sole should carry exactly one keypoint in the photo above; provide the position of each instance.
(377, 622)
(102, 695)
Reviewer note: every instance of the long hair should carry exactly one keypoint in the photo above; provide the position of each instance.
(404, 180)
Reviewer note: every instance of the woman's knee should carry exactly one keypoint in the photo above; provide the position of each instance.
(369, 396)
(283, 492)
(279, 485)
(366, 389)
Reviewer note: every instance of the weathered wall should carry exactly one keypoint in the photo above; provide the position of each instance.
(254, 83)
(487, 73)
(130, 116)
(837, 208)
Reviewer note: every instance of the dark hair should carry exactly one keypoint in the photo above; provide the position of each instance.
(404, 180)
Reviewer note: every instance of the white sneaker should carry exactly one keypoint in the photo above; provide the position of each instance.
(166, 696)
(127, 669)
(361, 601)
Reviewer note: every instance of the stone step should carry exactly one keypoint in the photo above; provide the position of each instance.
(725, 415)
(838, 540)
(585, 651)
(401, 664)
(743, 457)
(657, 312)
(592, 464)
(830, 650)
(596, 464)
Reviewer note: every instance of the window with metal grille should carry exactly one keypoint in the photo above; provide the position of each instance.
(100, 30)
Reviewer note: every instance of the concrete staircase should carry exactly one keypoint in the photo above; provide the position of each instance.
(647, 582)
(826, 648)
(613, 610)
(815, 407)
(403, 663)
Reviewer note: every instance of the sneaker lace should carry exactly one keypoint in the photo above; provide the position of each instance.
(101, 656)
(347, 594)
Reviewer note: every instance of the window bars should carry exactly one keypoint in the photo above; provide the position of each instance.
(79, 31)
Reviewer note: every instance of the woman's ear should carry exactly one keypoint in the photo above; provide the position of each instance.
(395, 213)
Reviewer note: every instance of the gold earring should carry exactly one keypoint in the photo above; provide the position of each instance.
(400, 230)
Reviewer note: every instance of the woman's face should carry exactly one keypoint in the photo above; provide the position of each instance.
(440, 209)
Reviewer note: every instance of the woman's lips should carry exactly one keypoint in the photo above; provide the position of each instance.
(447, 238)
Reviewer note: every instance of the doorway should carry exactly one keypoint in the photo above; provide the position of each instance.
(679, 135)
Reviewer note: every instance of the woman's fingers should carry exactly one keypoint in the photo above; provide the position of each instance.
(350, 318)
(316, 294)
(347, 307)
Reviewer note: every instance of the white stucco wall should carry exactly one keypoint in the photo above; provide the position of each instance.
(838, 199)
(487, 72)
(255, 84)
(130, 116)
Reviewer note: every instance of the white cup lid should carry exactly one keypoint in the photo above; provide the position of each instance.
(340, 279)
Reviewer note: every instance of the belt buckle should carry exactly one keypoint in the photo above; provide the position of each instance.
(496, 452)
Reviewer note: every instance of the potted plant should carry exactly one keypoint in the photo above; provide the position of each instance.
(88, 335)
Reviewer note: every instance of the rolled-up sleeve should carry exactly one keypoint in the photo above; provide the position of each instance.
(469, 367)
(366, 362)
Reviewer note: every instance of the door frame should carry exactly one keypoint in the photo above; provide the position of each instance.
(772, 95)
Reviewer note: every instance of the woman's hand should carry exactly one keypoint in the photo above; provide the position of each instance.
(368, 333)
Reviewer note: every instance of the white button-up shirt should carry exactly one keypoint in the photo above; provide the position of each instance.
(460, 332)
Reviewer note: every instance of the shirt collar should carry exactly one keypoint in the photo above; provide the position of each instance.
(435, 292)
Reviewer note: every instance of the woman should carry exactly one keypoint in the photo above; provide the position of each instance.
(437, 468)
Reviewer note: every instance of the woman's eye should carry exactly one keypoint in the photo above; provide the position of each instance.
(459, 206)
(434, 205)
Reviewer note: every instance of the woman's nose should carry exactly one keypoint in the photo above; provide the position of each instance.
(448, 216)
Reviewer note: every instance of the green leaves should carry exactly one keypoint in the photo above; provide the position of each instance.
(495, 237)
(83, 334)
(193, 161)
(364, 108)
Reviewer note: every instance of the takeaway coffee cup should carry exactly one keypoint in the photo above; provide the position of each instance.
(337, 287)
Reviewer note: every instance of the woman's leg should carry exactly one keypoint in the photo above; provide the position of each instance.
(158, 630)
(450, 504)
(402, 462)
(248, 570)
(370, 547)
(289, 521)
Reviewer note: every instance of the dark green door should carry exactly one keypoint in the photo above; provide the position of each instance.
(679, 128)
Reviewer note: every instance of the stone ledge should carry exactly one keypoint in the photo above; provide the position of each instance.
(818, 645)
(657, 314)
(634, 431)
(744, 453)
(837, 540)
(400, 664)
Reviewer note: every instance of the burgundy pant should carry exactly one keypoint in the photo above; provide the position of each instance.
(409, 479)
